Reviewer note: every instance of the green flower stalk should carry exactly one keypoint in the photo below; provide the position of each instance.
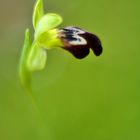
(47, 36)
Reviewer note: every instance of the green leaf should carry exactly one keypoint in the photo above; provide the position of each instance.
(37, 58)
(38, 12)
(24, 74)
(46, 23)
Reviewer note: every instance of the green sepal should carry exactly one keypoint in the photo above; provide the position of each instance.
(46, 23)
(37, 58)
(38, 12)
(24, 74)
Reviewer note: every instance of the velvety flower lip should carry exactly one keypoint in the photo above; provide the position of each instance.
(78, 42)
(94, 43)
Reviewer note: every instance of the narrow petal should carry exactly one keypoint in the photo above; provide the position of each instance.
(38, 12)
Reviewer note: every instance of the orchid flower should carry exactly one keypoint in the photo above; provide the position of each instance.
(47, 36)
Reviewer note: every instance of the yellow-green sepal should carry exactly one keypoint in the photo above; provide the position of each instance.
(24, 73)
(37, 58)
(46, 23)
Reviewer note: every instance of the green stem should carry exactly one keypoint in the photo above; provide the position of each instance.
(42, 120)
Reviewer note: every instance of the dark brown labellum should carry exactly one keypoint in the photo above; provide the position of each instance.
(79, 42)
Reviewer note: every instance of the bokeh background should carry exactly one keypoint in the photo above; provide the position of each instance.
(92, 99)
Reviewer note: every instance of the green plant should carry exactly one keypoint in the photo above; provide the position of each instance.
(46, 37)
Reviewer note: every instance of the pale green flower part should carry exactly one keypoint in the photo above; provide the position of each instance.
(34, 55)
(36, 59)
(38, 12)
(46, 23)
(24, 73)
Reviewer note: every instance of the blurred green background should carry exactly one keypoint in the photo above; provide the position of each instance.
(92, 99)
